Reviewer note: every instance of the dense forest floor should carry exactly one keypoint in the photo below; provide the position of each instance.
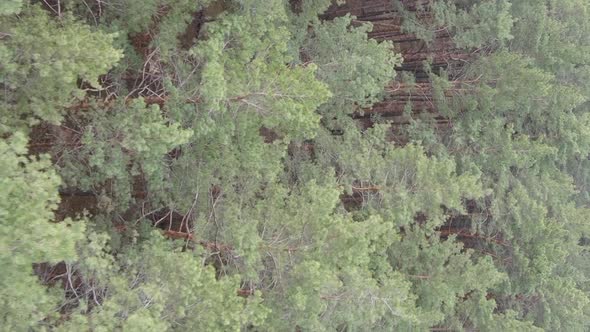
(303, 165)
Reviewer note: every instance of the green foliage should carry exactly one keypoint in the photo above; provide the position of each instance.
(410, 185)
(28, 234)
(313, 268)
(241, 52)
(483, 24)
(118, 144)
(234, 121)
(175, 23)
(522, 125)
(367, 159)
(519, 119)
(444, 277)
(43, 61)
(340, 50)
(244, 85)
(471, 24)
(10, 7)
(555, 33)
(157, 286)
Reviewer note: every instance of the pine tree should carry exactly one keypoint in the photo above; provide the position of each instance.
(238, 169)
(29, 235)
(45, 61)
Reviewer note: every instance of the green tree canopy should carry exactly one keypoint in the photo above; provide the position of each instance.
(250, 165)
